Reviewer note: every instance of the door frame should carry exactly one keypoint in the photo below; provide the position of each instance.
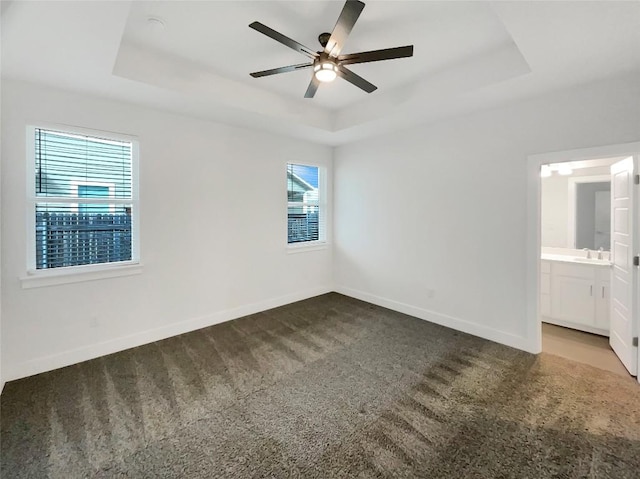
(533, 241)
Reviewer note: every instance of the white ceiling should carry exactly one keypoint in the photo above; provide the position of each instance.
(468, 55)
(215, 35)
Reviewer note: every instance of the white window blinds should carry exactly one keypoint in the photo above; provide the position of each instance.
(83, 199)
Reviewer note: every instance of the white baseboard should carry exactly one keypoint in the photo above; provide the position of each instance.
(577, 326)
(67, 358)
(475, 329)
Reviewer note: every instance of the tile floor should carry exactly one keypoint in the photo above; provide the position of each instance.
(582, 347)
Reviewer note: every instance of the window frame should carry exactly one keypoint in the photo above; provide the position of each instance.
(70, 274)
(321, 242)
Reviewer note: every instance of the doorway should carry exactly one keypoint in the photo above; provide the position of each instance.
(586, 348)
(575, 221)
(574, 287)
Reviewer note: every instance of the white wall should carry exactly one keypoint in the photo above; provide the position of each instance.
(213, 233)
(554, 211)
(432, 221)
(2, 376)
(554, 208)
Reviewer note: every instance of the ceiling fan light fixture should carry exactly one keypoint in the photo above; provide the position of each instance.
(325, 72)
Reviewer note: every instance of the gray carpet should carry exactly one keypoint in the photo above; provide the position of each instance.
(327, 387)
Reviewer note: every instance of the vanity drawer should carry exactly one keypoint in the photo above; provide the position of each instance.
(574, 270)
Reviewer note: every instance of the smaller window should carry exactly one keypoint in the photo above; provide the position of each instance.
(305, 204)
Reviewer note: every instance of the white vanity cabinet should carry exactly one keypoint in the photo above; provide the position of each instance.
(575, 295)
(602, 300)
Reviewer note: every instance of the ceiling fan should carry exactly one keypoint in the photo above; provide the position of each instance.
(329, 63)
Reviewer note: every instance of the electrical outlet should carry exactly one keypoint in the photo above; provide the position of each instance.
(431, 293)
(94, 322)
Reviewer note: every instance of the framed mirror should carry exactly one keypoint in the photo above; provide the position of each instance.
(590, 212)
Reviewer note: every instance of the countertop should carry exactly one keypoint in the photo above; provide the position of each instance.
(575, 259)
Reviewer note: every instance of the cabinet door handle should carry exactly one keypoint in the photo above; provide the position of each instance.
(591, 289)
(603, 292)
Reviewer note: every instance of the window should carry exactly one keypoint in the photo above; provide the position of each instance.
(82, 201)
(306, 211)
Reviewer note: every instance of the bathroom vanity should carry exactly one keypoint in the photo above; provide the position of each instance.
(574, 292)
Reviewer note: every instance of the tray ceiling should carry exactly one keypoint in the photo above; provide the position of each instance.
(468, 55)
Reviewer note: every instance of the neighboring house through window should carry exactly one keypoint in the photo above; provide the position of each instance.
(93, 190)
(305, 212)
(82, 204)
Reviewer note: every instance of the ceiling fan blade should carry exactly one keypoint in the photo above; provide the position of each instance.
(313, 87)
(356, 80)
(347, 19)
(275, 71)
(376, 55)
(279, 37)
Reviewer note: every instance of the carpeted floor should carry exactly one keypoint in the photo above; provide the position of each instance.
(328, 387)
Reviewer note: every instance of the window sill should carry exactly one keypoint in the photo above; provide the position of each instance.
(306, 246)
(78, 274)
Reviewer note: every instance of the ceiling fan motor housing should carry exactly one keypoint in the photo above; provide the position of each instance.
(324, 58)
(323, 38)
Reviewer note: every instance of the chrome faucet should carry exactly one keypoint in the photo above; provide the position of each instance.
(600, 251)
(588, 252)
